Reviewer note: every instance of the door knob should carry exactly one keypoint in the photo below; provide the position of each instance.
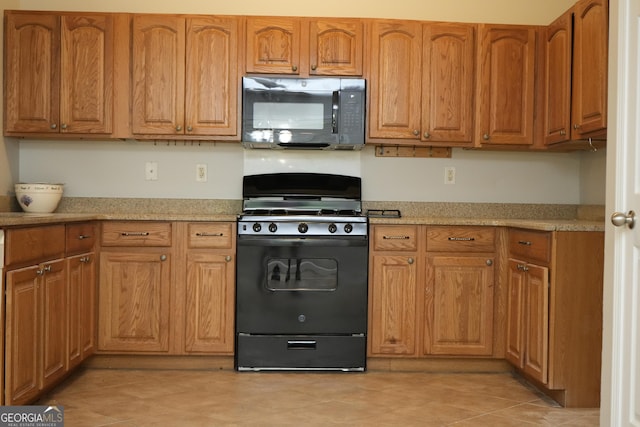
(619, 219)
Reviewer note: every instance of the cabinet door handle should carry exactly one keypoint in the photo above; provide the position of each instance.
(522, 267)
(47, 268)
(396, 237)
(209, 234)
(163, 257)
(524, 242)
(134, 234)
(462, 239)
(83, 236)
(228, 258)
(410, 261)
(485, 136)
(489, 262)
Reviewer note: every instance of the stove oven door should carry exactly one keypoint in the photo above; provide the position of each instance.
(301, 302)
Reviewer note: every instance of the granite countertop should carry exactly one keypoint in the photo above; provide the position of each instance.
(543, 217)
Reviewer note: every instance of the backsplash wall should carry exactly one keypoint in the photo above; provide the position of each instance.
(116, 169)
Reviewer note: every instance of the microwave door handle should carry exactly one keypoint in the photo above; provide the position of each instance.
(335, 105)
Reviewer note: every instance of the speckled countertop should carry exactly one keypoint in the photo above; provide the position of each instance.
(532, 216)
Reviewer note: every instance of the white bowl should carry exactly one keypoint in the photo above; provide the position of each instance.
(38, 197)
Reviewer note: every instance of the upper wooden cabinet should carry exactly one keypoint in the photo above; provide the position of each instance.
(58, 73)
(590, 59)
(421, 83)
(575, 90)
(282, 45)
(395, 80)
(185, 76)
(505, 85)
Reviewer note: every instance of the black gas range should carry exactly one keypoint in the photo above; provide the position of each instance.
(301, 282)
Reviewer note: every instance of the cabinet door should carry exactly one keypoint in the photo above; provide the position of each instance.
(23, 320)
(447, 87)
(86, 62)
(537, 323)
(134, 301)
(557, 78)
(273, 45)
(505, 85)
(516, 283)
(392, 306)
(158, 58)
(54, 322)
(32, 73)
(590, 67)
(396, 76)
(210, 303)
(335, 47)
(211, 85)
(459, 305)
(82, 314)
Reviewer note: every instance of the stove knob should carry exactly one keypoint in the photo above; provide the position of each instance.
(303, 228)
(333, 228)
(257, 227)
(273, 227)
(348, 228)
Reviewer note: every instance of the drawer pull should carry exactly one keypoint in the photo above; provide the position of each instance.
(522, 267)
(209, 234)
(83, 236)
(396, 237)
(462, 239)
(135, 234)
(524, 242)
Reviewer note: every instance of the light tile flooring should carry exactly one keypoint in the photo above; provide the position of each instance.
(126, 398)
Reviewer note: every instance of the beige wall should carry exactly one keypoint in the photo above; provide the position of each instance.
(496, 11)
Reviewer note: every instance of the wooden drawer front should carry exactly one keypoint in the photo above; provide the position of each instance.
(395, 238)
(34, 244)
(461, 239)
(139, 233)
(530, 245)
(211, 235)
(81, 237)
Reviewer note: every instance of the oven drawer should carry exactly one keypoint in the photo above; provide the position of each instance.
(136, 233)
(395, 237)
(460, 239)
(210, 235)
(301, 352)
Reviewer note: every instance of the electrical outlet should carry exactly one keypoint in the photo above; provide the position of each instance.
(151, 171)
(201, 172)
(449, 175)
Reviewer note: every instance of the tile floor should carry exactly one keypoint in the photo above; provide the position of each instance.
(127, 398)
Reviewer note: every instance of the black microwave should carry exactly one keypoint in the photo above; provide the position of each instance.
(303, 113)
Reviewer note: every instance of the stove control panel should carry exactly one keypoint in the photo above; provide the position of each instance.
(300, 227)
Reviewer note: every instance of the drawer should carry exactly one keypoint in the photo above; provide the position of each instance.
(136, 233)
(395, 237)
(31, 245)
(81, 237)
(530, 245)
(461, 239)
(210, 235)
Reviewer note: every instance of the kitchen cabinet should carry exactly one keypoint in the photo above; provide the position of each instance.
(575, 94)
(459, 291)
(82, 270)
(505, 85)
(185, 76)
(59, 73)
(36, 312)
(300, 46)
(135, 277)
(209, 288)
(393, 281)
(413, 68)
(554, 312)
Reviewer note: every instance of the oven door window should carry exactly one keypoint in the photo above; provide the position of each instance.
(302, 274)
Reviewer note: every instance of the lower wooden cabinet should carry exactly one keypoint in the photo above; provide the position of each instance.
(82, 307)
(431, 291)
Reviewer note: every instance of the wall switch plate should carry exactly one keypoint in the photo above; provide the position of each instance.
(201, 172)
(151, 171)
(449, 175)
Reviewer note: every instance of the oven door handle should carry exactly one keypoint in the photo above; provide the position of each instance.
(310, 242)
